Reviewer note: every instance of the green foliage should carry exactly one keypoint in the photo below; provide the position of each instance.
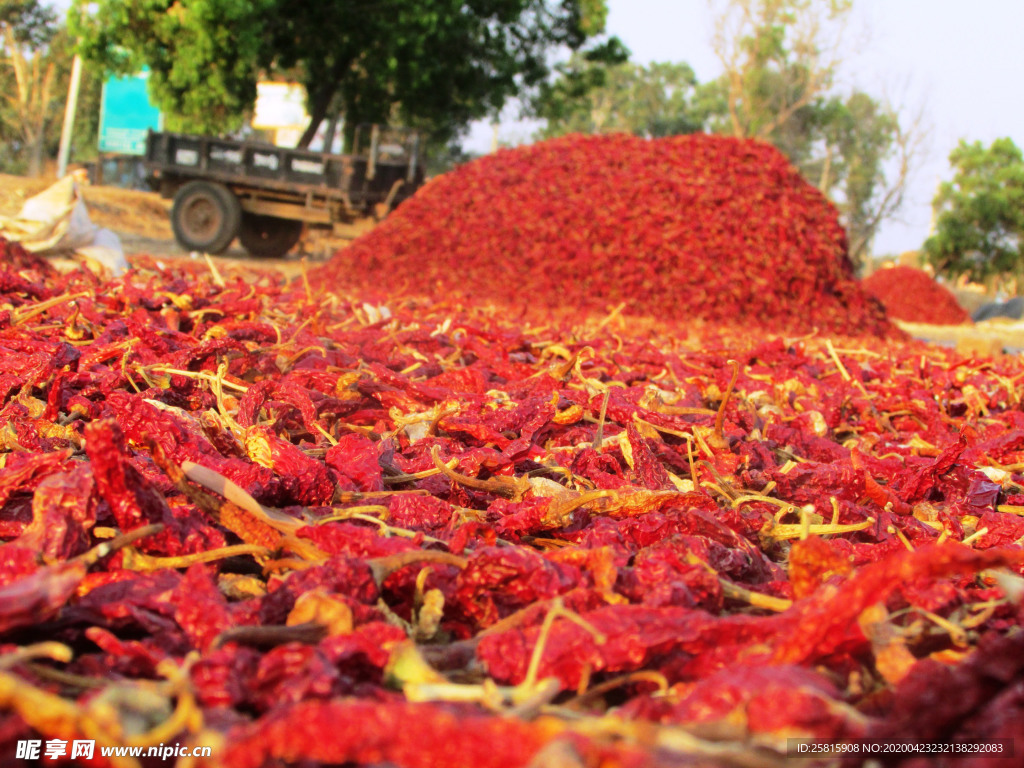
(35, 69)
(600, 92)
(979, 215)
(33, 23)
(433, 64)
(778, 74)
(779, 57)
(847, 144)
(429, 64)
(204, 55)
(441, 158)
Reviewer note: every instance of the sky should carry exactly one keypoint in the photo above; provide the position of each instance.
(960, 65)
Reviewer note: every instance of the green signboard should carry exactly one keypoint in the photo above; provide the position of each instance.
(126, 115)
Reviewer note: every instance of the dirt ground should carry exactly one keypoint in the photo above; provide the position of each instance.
(142, 222)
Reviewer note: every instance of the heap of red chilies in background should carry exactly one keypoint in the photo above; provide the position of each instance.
(913, 295)
(689, 228)
(303, 528)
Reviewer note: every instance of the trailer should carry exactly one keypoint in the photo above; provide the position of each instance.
(267, 195)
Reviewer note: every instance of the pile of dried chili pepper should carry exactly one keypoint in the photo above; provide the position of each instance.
(691, 228)
(307, 528)
(914, 296)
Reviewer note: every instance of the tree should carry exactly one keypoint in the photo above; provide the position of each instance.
(865, 157)
(204, 56)
(604, 94)
(979, 215)
(433, 64)
(781, 58)
(26, 31)
(35, 69)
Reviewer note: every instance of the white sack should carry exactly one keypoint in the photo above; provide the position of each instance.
(56, 221)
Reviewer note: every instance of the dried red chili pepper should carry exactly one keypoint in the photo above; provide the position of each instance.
(914, 296)
(728, 226)
(583, 496)
(355, 463)
(63, 512)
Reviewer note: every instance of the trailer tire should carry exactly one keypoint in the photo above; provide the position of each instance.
(268, 237)
(205, 217)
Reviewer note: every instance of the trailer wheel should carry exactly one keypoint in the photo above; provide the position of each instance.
(268, 236)
(205, 217)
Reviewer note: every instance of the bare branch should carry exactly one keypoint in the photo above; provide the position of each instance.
(909, 147)
(798, 43)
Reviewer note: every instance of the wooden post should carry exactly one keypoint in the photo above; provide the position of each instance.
(69, 117)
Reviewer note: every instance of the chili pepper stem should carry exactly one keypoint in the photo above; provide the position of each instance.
(413, 476)
(50, 714)
(118, 542)
(781, 532)
(835, 358)
(957, 634)
(21, 315)
(44, 650)
(556, 611)
(217, 279)
(560, 511)
(360, 513)
(216, 482)
(698, 437)
(66, 678)
(309, 633)
(720, 416)
(217, 387)
(186, 715)
(326, 434)
(198, 375)
(138, 561)
(596, 691)
(975, 536)
(599, 432)
(510, 487)
(382, 567)
(755, 599)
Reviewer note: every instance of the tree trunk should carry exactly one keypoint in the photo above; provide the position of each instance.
(858, 248)
(34, 81)
(310, 132)
(825, 181)
(319, 104)
(330, 131)
(352, 120)
(34, 151)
